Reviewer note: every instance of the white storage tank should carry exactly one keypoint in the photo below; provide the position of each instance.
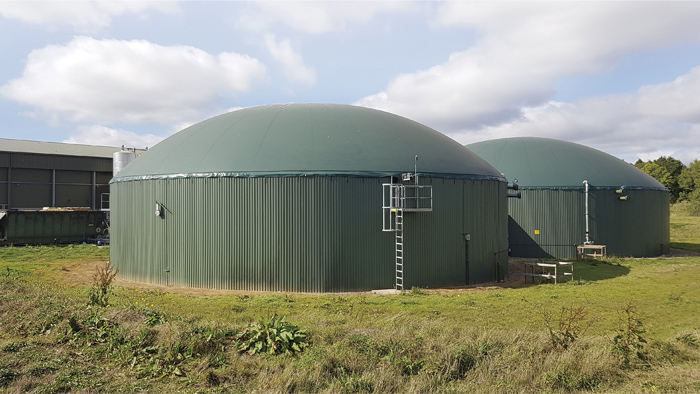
(121, 159)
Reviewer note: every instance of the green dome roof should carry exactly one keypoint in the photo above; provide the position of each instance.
(306, 139)
(544, 162)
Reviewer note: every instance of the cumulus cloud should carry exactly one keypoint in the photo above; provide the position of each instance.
(105, 136)
(293, 64)
(675, 100)
(80, 14)
(657, 120)
(522, 50)
(108, 81)
(316, 17)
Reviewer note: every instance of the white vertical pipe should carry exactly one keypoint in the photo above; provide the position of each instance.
(588, 240)
(415, 169)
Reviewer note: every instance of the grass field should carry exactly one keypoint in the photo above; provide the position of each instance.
(623, 326)
(685, 230)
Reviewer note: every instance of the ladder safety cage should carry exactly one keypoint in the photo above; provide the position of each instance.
(406, 198)
(398, 198)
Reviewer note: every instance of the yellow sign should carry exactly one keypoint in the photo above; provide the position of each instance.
(537, 232)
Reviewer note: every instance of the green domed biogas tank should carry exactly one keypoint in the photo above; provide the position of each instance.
(289, 198)
(550, 219)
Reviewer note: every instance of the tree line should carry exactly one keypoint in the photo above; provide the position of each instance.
(682, 181)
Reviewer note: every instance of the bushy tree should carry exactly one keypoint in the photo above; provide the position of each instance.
(666, 170)
(689, 182)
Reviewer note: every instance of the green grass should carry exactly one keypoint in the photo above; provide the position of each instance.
(53, 254)
(685, 230)
(486, 340)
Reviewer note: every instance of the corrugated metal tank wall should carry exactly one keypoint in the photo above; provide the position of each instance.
(638, 227)
(551, 222)
(308, 234)
(547, 223)
(438, 253)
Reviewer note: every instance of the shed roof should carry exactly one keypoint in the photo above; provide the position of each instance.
(306, 139)
(545, 162)
(56, 148)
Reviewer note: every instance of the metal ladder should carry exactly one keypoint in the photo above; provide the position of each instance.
(398, 198)
(399, 248)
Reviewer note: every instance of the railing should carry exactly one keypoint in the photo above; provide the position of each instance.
(405, 198)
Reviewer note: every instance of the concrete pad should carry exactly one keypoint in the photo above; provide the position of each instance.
(386, 291)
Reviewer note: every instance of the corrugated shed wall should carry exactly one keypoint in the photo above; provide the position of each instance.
(551, 222)
(309, 234)
(45, 227)
(58, 162)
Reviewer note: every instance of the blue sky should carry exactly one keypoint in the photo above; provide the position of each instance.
(623, 77)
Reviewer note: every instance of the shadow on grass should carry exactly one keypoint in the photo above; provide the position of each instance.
(686, 246)
(595, 270)
(584, 271)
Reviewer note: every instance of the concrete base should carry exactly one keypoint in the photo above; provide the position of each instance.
(386, 292)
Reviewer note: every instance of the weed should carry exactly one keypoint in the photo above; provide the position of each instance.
(565, 329)
(274, 336)
(7, 376)
(663, 352)
(41, 370)
(335, 367)
(415, 290)
(410, 365)
(628, 342)
(360, 342)
(689, 338)
(154, 318)
(459, 362)
(650, 387)
(288, 298)
(102, 280)
(358, 384)
(675, 297)
(569, 378)
(9, 271)
(407, 356)
(311, 358)
(14, 347)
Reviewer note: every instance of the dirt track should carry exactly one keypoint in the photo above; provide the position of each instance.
(82, 274)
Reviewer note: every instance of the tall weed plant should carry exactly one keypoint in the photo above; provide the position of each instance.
(273, 336)
(629, 341)
(101, 284)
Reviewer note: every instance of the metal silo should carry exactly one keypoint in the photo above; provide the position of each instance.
(292, 198)
(573, 195)
(121, 159)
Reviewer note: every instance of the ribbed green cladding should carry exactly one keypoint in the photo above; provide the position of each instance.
(306, 139)
(290, 197)
(544, 162)
(550, 218)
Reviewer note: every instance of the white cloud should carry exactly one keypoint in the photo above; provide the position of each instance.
(108, 81)
(105, 136)
(522, 50)
(292, 62)
(677, 100)
(317, 17)
(658, 120)
(81, 14)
